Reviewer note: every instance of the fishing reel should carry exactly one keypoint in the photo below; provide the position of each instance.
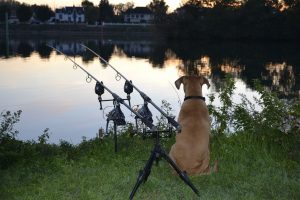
(117, 116)
(146, 114)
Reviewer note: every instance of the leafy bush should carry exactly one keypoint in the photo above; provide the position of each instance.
(268, 115)
(8, 120)
(162, 122)
(222, 114)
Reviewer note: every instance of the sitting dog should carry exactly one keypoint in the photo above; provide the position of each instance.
(191, 150)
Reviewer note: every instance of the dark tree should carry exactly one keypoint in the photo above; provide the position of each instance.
(24, 12)
(228, 3)
(86, 3)
(159, 8)
(7, 7)
(200, 3)
(106, 11)
(4, 9)
(121, 8)
(43, 12)
(91, 14)
(291, 3)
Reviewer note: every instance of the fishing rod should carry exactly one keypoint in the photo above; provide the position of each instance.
(116, 97)
(143, 95)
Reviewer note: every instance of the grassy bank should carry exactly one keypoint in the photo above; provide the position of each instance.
(249, 168)
(260, 159)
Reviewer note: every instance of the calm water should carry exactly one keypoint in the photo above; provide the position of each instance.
(53, 95)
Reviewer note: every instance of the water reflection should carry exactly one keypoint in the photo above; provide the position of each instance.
(277, 65)
(24, 49)
(43, 50)
(281, 77)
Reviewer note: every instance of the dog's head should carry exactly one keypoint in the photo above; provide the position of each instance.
(192, 84)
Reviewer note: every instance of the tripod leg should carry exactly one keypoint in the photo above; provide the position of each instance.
(181, 174)
(143, 175)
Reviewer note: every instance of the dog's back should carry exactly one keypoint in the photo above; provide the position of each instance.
(191, 150)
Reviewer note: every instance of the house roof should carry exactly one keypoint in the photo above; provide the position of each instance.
(70, 10)
(139, 10)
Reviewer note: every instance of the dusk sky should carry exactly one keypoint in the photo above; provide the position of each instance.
(173, 4)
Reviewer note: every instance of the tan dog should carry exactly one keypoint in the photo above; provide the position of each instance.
(191, 150)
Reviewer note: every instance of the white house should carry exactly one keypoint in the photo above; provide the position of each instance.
(70, 15)
(138, 15)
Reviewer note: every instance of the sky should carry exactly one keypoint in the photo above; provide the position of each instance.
(173, 4)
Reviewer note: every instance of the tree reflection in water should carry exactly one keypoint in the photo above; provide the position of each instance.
(276, 65)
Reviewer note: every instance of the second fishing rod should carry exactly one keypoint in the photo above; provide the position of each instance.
(145, 97)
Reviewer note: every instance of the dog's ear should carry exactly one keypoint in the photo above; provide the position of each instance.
(178, 82)
(205, 81)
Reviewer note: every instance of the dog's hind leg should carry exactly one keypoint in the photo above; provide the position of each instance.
(212, 169)
(173, 159)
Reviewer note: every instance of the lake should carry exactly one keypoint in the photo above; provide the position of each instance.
(51, 94)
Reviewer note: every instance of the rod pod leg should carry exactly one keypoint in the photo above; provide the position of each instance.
(143, 174)
(182, 174)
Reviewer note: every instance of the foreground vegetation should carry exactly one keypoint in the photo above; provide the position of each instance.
(259, 160)
(249, 168)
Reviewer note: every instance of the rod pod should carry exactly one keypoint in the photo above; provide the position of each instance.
(143, 95)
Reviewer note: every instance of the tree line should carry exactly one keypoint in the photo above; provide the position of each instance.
(194, 19)
(25, 12)
(235, 19)
(107, 12)
(103, 12)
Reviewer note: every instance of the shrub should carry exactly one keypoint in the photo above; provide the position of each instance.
(8, 120)
(268, 115)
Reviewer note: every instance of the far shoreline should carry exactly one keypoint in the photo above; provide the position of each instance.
(119, 31)
(81, 30)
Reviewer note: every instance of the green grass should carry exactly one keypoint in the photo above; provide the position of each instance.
(249, 168)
